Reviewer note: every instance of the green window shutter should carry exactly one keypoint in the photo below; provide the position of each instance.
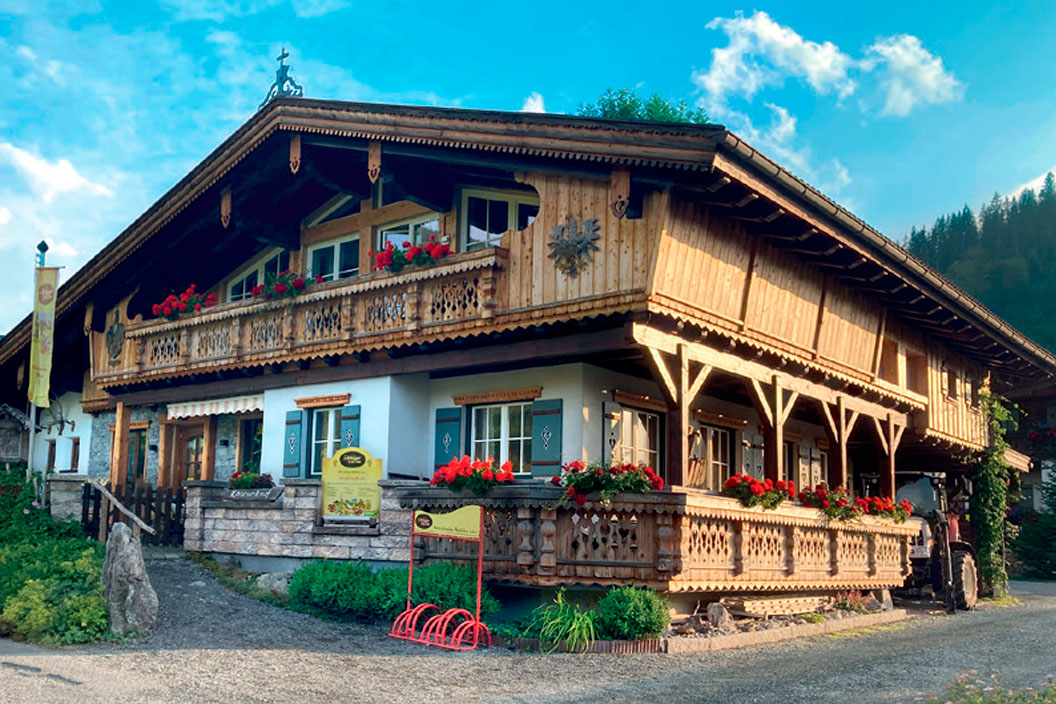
(350, 427)
(293, 452)
(546, 437)
(612, 420)
(448, 435)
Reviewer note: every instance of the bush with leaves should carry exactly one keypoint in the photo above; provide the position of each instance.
(1035, 546)
(563, 623)
(353, 591)
(632, 613)
(989, 503)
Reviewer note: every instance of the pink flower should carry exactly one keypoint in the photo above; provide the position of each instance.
(25, 511)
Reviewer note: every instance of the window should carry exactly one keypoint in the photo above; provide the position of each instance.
(714, 451)
(503, 431)
(888, 370)
(639, 438)
(137, 456)
(250, 436)
(337, 259)
(326, 437)
(813, 467)
(916, 373)
(415, 231)
(50, 466)
(488, 214)
(949, 383)
(257, 274)
(791, 459)
(75, 454)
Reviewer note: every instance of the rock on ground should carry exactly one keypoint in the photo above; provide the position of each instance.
(719, 617)
(275, 581)
(131, 601)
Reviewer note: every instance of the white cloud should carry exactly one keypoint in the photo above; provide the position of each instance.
(783, 128)
(762, 53)
(533, 103)
(5, 215)
(910, 74)
(221, 10)
(47, 178)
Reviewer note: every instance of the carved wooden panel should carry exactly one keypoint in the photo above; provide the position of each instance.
(212, 341)
(265, 331)
(162, 350)
(385, 310)
(319, 322)
(451, 299)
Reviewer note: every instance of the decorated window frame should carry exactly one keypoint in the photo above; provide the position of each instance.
(482, 443)
(271, 261)
(417, 232)
(515, 202)
(339, 267)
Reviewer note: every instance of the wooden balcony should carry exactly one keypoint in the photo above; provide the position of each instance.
(683, 540)
(365, 312)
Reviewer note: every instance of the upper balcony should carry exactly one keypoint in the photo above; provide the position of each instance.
(361, 313)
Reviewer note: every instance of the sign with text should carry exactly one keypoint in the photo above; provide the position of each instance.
(350, 486)
(460, 524)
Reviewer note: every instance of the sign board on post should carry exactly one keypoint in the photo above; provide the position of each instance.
(43, 335)
(350, 486)
(454, 629)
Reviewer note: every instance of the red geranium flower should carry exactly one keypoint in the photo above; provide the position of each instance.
(580, 499)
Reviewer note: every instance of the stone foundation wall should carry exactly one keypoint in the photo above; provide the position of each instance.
(64, 496)
(291, 526)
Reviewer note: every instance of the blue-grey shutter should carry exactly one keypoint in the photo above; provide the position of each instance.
(448, 435)
(350, 427)
(293, 450)
(546, 437)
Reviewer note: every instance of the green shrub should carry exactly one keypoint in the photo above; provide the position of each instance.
(351, 590)
(1035, 546)
(50, 588)
(632, 613)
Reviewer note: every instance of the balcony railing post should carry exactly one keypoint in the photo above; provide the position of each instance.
(741, 537)
(547, 535)
(139, 352)
(871, 558)
(665, 558)
(792, 537)
(348, 316)
(236, 337)
(526, 538)
(288, 331)
(185, 345)
(488, 285)
(834, 552)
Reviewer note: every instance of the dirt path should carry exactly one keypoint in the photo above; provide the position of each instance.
(212, 645)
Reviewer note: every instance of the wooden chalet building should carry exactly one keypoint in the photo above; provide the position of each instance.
(649, 292)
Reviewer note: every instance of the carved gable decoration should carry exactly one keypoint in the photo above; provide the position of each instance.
(115, 338)
(572, 245)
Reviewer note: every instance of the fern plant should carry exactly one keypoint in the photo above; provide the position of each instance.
(563, 622)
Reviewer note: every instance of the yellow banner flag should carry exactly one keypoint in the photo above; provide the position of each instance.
(44, 292)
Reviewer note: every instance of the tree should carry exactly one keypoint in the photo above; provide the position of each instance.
(624, 104)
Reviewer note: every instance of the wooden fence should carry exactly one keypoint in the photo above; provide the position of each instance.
(162, 509)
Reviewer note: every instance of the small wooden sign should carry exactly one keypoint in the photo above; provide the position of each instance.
(460, 524)
(350, 486)
(262, 494)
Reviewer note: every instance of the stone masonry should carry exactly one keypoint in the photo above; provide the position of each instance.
(64, 495)
(291, 526)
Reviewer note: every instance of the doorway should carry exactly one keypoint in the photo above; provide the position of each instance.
(187, 452)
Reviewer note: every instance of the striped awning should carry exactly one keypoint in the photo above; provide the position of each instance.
(217, 406)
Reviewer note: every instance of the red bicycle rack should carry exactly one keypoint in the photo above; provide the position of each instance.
(454, 629)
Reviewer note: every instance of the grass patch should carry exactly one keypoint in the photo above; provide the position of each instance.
(868, 630)
(1001, 602)
(239, 581)
(812, 618)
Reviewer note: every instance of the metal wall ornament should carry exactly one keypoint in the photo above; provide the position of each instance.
(115, 339)
(572, 245)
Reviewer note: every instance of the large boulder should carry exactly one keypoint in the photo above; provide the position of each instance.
(720, 619)
(130, 599)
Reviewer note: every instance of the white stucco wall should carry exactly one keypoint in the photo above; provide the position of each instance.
(373, 396)
(82, 429)
(410, 447)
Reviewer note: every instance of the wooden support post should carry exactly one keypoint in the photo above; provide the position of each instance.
(891, 436)
(209, 449)
(164, 454)
(774, 409)
(839, 429)
(680, 388)
(119, 451)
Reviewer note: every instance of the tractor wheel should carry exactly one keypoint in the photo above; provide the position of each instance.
(965, 580)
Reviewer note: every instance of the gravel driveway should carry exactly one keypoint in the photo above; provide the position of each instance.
(212, 645)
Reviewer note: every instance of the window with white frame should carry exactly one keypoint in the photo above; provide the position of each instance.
(713, 451)
(256, 273)
(639, 438)
(336, 259)
(326, 437)
(488, 214)
(504, 432)
(415, 231)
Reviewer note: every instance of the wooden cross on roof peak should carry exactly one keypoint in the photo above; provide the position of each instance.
(284, 83)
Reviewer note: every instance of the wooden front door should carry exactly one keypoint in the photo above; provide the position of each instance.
(188, 449)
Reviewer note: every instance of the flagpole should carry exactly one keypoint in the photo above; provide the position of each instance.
(42, 249)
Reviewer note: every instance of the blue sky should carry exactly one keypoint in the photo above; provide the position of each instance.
(899, 111)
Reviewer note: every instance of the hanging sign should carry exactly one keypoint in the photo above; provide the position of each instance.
(44, 292)
(350, 486)
(460, 524)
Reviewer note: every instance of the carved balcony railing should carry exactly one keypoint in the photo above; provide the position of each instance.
(330, 318)
(681, 540)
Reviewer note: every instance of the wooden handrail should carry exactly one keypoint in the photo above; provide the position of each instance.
(121, 507)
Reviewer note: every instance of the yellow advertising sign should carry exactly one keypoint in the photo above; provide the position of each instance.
(350, 485)
(44, 293)
(462, 523)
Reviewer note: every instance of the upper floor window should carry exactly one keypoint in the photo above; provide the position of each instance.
(711, 457)
(488, 214)
(416, 231)
(336, 259)
(257, 273)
